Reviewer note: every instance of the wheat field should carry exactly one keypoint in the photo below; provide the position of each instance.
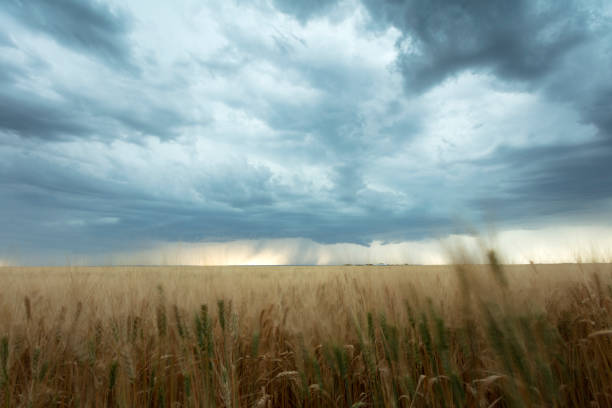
(340, 336)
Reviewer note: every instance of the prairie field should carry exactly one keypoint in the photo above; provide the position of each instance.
(307, 336)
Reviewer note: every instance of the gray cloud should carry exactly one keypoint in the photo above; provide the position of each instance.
(87, 26)
(598, 112)
(5, 40)
(31, 116)
(64, 204)
(297, 130)
(557, 47)
(304, 10)
(519, 40)
(547, 181)
(330, 128)
(74, 113)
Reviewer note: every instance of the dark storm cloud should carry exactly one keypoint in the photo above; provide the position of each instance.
(63, 110)
(309, 135)
(559, 47)
(597, 109)
(304, 10)
(31, 116)
(73, 211)
(150, 119)
(72, 115)
(547, 180)
(348, 181)
(87, 26)
(516, 40)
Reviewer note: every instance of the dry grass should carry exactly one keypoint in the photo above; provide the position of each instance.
(465, 335)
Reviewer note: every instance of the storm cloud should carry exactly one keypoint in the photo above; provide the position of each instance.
(123, 126)
(88, 26)
(519, 40)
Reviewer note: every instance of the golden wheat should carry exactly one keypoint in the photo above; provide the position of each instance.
(405, 336)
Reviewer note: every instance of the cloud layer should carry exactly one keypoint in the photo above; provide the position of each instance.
(546, 245)
(122, 126)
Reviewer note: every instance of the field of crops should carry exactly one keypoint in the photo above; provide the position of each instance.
(349, 336)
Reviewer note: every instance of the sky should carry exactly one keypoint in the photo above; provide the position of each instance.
(349, 131)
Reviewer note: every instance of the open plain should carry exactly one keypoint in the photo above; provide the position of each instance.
(409, 336)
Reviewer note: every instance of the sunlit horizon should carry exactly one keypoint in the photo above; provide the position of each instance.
(547, 245)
